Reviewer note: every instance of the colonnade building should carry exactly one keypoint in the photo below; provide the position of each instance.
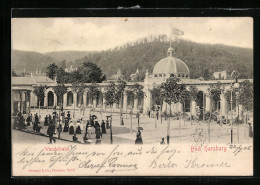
(23, 98)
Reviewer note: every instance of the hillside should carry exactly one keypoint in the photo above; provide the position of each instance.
(144, 55)
(197, 57)
(68, 55)
(30, 61)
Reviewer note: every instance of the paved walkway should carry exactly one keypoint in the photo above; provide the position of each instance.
(154, 130)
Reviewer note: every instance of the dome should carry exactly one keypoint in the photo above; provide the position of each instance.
(171, 66)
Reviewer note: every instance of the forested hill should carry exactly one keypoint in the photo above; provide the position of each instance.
(144, 55)
(198, 57)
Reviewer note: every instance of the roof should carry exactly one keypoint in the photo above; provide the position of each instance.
(26, 80)
(42, 79)
(197, 81)
(170, 65)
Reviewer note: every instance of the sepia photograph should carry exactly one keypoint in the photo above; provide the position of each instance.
(138, 84)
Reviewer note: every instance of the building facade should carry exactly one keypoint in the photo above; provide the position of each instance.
(23, 97)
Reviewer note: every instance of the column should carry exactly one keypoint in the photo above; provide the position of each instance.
(75, 99)
(104, 103)
(65, 100)
(21, 103)
(135, 104)
(125, 101)
(85, 99)
(175, 107)
(147, 101)
(95, 103)
(193, 107)
(114, 106)
(180, 106)
(208, 103)
(223, 104)
(45, 99)
(240, 111)
(55, 99)
(164, 106)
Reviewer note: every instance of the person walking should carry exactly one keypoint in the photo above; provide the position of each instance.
(50, 132)
(103, 126)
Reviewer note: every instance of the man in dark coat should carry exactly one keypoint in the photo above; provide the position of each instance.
(36, 118)
(107, 124)
(68, 115)
(103, 126)
(66, 126)
(28, 120)
(71, 130)
(46, 121)
(50, 132)
(98, 133)
(59, 129)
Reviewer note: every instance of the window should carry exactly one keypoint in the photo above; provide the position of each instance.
(179, 75)
(155, 75)
(187, 76)
(172, 75)
(160, 75)
(182, 75)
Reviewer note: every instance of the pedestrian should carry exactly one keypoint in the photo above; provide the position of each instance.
(71, 132)
(66, 126)
(139, 139)
(46, 121)
(96, 125)
(36, 118)
(121, 119)
(149, 113)
(98, 133)
(28, 120)
(162, 142)
(107, 124)
(50, 132)
(59, 129)
(75, 138)
(78, 130)
(157, 114)
(103, 126)
(68, 115)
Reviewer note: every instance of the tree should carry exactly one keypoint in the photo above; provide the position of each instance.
(60, 90)
(77, 88)
(120, 87)
(39, 91)
(157, 96)
(52, 71)
(246, 95)
(206, 74)
(93, 91)
(111, 98)
(90, 73)
(171, 91)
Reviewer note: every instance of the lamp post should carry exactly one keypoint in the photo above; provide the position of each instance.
(231, 105)
(210, 117)
(236, 86)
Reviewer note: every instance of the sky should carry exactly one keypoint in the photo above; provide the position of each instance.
(96, 34)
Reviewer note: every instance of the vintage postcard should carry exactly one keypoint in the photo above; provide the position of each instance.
(132, 96)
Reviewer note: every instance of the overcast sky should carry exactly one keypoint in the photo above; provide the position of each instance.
(93, 34)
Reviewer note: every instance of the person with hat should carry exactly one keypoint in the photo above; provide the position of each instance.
(50, 132)
(103, 126)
